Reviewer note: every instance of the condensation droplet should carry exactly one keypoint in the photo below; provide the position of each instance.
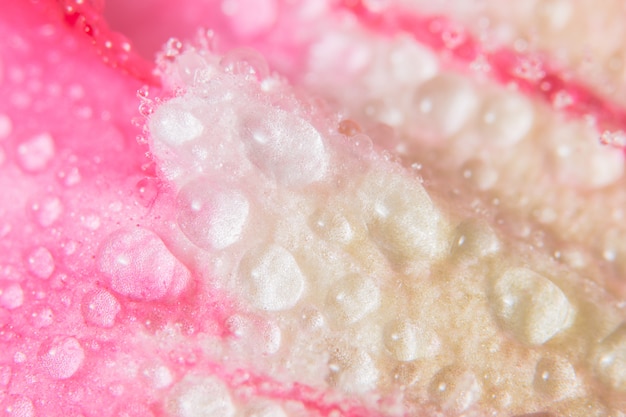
(146, 191)
(247, 62)
(11, 296)
(35, 154)
(61, 357)
(6, 126)
(47, 210)
(40, 263)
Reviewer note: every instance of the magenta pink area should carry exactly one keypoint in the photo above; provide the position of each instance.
(73, 174)
(531, 74)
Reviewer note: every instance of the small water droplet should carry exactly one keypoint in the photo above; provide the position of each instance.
(147, 190)
(531, 69)
(69, 176)
(19, 357)
(615, 139)
(562, 99)
(453, 37)
(35, 154)
(61, 356)
(90, 221)
(146, 108)
(40, 263)
(6, 126)
(43, 317)
(19, 406)
(173, 47)
(247, 62)
(11, 296)
(362, 143)
(47, 210)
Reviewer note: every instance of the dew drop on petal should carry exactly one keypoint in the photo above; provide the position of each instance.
(100, 307)
(40, 263)
(11, 296)
(35, 154)
(61, 356)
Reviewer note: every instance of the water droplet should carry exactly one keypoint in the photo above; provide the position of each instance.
(11, 296)
(19, 357)
(47, 210)
(19, 406)
(453, 37)
(362, 143)
(210, 217)
(455, 389)
(160, 376)
(43, 317)
(90, 221)
(35, 154)
(6, 126)
(530, 306)
(146, 191)
(61, 356)
(100, 307)
(562, 99)
(69, 176)
(175, 123)
(173, 47)
(137, 264)
(352, 298)
(189, 65)
(40, 263)
(530, 69)
(616, 139)
(246, 62)
(272, 278)
(196, 397)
